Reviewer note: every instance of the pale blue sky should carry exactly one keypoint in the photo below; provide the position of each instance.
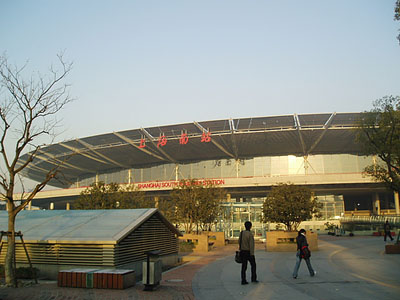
(146, 63)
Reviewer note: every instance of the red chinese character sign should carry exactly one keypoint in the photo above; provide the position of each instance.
(142, 143)
(184, 139)
(206, 137)
(162, 141)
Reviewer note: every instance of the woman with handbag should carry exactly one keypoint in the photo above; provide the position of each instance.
(302, 253)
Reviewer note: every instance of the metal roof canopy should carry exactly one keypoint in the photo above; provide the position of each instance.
(298, 135)
(107, 226)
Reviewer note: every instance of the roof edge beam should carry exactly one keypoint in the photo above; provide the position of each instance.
(222, 148)
(90, 147)
(83, 153)
(298, 127)
(152, 139)
(325, 128)
(233, 130)
(48, 157)
(128, 140)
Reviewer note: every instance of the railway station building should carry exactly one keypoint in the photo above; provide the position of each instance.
(245, 156)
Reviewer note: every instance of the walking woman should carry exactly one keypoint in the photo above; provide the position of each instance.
(302, 253)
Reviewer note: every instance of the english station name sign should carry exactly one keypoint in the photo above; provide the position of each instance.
(173, 183)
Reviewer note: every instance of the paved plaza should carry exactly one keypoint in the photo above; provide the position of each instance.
(347, 268)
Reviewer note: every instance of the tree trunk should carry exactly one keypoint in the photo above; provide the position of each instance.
(9, 263)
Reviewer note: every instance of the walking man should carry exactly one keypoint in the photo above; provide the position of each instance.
(387, 229)
(246, 248)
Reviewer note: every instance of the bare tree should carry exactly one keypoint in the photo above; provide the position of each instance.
(27, 116)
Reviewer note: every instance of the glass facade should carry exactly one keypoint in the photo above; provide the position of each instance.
(249, 207)
(230, 168)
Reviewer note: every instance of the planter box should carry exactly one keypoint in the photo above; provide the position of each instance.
(285, 241)
(218, 238)
(392, 249)
(93, 278)
(201, 241)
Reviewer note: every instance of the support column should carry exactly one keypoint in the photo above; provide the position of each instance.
(156, 201)
(376, 207)
(176, 172)
(305, 162)
(130, 176)
(396, 203)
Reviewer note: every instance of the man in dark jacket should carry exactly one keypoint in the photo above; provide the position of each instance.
(302, 242)
(246, 247)
(387, 229)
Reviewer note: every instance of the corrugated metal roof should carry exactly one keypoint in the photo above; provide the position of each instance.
(230, 138)
(80, 226)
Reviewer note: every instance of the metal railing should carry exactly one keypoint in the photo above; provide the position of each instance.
(394, 220)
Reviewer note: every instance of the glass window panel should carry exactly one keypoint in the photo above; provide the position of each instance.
(262, 166)
(246, 167)
(295, 165)
(213, 169)
(228, 168)
(118, 177)
(185, 171)
(87, 181)
(349, 163)
(363, 162)
(279, 165)
(315, 164)
(170, 171)
(332, 164)
(137, 175)
(103, 178)
(266, 163)
(146, 174)
(199, 170)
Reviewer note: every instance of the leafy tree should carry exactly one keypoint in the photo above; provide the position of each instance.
(168, 208)
(111, 196)
(290, 204)
(210, 206)
(28, 109)
(379, 135)
(197, 204)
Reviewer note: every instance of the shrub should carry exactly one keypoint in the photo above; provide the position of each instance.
(23, 272)
(186, 246)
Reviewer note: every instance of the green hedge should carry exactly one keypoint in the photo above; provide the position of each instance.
(186, 246)
(23, 272)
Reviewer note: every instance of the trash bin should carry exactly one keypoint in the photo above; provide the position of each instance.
(152, 270)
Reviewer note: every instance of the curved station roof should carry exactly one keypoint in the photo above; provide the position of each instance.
(300, 135)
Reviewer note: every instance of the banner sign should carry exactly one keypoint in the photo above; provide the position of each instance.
(174, 184)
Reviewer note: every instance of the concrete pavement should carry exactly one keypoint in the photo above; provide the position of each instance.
(347, 268)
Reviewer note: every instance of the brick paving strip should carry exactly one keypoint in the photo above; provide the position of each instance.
(176, 284)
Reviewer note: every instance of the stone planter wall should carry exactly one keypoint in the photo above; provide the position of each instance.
(392, 249)
(285, 241)
(201, 241)
(218, 238)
